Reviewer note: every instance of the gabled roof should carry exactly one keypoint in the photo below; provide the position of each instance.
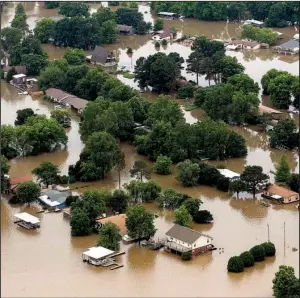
(57, 93)
(167, 33)
(100, 55)
(27, 217)
(185, 234)
(55, 195)
(281, 191)
(124, 28)
(18, 180)
(75, 102)
(289, 45)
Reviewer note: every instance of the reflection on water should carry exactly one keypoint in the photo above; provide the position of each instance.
(238, 224)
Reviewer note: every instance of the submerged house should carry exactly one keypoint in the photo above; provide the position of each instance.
(20, 69)
(27, 220)
(124, 29)
(229, 174)
(290, 47)
(254, 23)
(182, 239)
(166, 34)
(19, 79)
(246, 45)
(169, 15)
(102, 56)
(281, 194)
(54, 199)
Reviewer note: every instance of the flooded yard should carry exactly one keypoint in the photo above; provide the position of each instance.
(47, 263)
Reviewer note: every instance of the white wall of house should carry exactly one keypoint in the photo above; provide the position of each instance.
(293, 198)
(179, 242)
(200, 242)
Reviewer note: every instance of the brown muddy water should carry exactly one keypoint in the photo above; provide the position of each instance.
(48, 262)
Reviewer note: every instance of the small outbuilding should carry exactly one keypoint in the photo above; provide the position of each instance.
(254, 23)
(124, 29)
(97, 255)
(102, 56)
(182, 239)
(27, 220)
(169, 15)
(229, 174)
(281, 194)
(166, 34)
(54, 199)
(19, 79)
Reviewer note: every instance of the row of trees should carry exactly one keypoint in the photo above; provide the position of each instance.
(37, 135)
(263, 35)
(247, 259)
(282, 87)
(81, 30)
(276, 14)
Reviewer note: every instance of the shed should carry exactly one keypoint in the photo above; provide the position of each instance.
(57, 95)
(97, 255)
(102, 56)
(182, 239)
(281, 194)
(254, 23)
(166, 34)
(124, 29)
(76, 103)
(27, 220)
(19, 79)
(229, 174)
(248, 45)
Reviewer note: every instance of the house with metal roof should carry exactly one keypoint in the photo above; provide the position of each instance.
(124, 29)
(54, 198)
(181, 239)
(169, 15)
(229, 174)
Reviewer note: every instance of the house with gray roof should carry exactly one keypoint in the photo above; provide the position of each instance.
(290, 47)
(124, 29)
(54, 199)
(182, 239)
(102, 56)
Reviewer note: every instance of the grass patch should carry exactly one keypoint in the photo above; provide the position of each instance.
(190, 108)
(128, 75)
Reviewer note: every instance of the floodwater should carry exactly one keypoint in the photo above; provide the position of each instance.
(46, 270)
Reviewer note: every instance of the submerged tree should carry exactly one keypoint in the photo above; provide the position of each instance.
(109, 236)
(28, 192)
(140, 170)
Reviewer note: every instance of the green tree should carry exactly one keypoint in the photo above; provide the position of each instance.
(10, 37)
(104, 14)
(237, 186)
(294, 182)
(277, 16)
(285, 283)
(162, 165)
(34, 63)
(8, 141)
(267, 78)
(187, 173)
(242, 82)
(74, 56)
(158, 25)
(47, 173)
(140, 170)
(195, 64)
(45, 29)
(80, 222)
(31, 45)
(51, 4)
(171, 199)
(247, 259)
(109, 32)
(4, 165)
(118, 200)
(164, 109)
(223, 184)
(235, 264)
(73, 9)
(139, 107)
(52, 77)
(203, 217)
(109, 236)
(120, 164)
(139, 223)
(258, 252)
(19, 21)
(182, 217)
(62, 116)
(252, 176)
(269, 248)
(28, 192)
(230, 67)
(263, 35)
(22, 115)
(283, 171)
(192, 206)
(284, 134)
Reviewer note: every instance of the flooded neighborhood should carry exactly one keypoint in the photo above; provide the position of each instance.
(48, 262)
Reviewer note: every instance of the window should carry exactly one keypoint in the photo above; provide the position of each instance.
(207, 240)
(194, 245)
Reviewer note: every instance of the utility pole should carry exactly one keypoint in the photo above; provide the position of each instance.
(284, 236)
(268, 233)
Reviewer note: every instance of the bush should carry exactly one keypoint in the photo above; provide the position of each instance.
(157, 44)
(63, 179)
(187, 256)
(269, 248)
(70, 200)
(258, 252)
(72, 179)
(203, 216)
(162, 165)
(223, 184)
(14, 200)
(235, 264)
(186, 91)
(164, 42)
(247, 259)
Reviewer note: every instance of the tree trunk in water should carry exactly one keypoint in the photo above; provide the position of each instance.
(208, 82)
(253, 191)
(237, 195)
(119, 180)
(197, 76)
(141, 177)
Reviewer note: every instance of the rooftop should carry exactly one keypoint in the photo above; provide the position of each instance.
(292, 44)
(18, 180)
(27, 217)
(265, 109)
(167, 13)
(20, 75)
(76, 102)
(254, 22)
(124, 28)
(167, 33)
(98, 252)
(185, 234)
(228, 174)
(57, 93)
(245, 43)
(55, 195)
(118, 220)
(281, 191)
(100, 55)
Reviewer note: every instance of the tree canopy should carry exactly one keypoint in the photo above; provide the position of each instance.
(263, 35)
(73, 9)
(47, 173)
(45, 29)
(109, 236)
(187, 173)
(74, 56)
(28, 192)
(182, 217)
(283, 171)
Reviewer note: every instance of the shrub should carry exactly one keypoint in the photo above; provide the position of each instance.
(70, 200)
(164, 42)
(223, 184)
(203, 216)
(129, 51)
(247, 259)
(162, 165)
(157, 44)
(269, 248)
(186, 91)
(187, 256)
(235, 264)
(63, 179)
(14, 200)
(258, 252)
(72, 179)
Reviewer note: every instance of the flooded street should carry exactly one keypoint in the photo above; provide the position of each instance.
(48, 263)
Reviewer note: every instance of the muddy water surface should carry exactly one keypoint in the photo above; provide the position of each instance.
(57, 270)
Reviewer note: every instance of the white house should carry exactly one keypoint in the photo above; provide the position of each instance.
(97, 255)
(296, 36)
(182, 239)
(229, 174)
